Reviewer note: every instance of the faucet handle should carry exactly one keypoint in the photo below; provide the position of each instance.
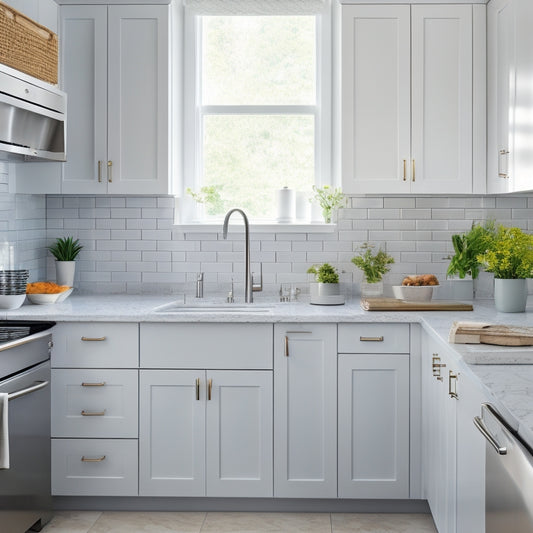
(258, 287)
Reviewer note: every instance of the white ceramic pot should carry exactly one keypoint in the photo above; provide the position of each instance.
(65, 271)
(510, 295)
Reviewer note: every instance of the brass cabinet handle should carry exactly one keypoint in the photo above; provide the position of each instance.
(87, 384)
(92, 459)
(436, 365)
(414, 171)
(371, 339)
(92, 413)
(500, 173)
(453, 393)
(99, 171)
(287, 333)
(405, 170)
(110, 171)
(198, 389)
(209, 389)
(92, 339)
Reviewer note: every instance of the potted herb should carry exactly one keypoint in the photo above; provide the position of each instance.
(374, 267)
(329, 200)
(464, 266)
(509, 256)
(65, 250)
(325, 290)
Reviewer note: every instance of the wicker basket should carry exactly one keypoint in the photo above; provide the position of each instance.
(27, 46)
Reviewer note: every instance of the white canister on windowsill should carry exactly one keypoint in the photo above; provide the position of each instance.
(285, 201)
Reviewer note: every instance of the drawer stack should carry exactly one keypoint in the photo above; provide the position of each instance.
(95, 409)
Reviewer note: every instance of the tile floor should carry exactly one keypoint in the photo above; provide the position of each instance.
(157, 522)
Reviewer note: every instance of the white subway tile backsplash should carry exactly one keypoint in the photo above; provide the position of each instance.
(383, 214)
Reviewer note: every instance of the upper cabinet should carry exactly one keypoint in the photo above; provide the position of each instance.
(510, 96)
(408, 88)
(115, 69)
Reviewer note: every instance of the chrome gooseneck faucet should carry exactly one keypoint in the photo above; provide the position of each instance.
(248, 289)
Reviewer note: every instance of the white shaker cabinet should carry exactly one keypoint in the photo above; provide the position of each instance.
(115, 69)
(373, 408)
(305, 410)
(510, 96)
(407, 98)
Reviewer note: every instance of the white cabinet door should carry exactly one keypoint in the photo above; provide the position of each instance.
(83, 61)
(305, 410)
(172, 433)
(373, 426)
(470, 458)
(439, 435)
(376, 99)
(239, 433)
(442, 99)
(115, 69)
(138, 96)
(501, 29)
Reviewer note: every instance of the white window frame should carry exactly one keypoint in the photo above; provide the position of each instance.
(192, 123)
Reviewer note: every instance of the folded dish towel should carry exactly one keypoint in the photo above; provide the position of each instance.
(4, 431)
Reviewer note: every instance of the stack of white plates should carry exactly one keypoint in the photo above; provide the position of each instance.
(13, 288)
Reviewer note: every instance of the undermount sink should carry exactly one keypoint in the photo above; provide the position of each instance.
(177, 307)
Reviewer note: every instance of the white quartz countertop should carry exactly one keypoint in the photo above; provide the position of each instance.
(506, 373)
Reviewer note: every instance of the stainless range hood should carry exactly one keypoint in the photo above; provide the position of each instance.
(32, 118)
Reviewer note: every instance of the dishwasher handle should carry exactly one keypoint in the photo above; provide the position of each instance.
(478, 422)
(38, 385)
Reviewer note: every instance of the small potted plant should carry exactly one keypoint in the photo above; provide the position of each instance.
(329, 200)
(509, 256)
(325, 290)
(65, 250)
(464, 266)
(374, 267)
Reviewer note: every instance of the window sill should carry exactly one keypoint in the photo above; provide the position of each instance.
(258, 227)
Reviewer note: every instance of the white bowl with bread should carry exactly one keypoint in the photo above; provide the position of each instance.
(416, 288)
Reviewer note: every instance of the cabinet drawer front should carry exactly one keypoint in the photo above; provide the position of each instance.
(94, 467)
(94, 403)
(96, 345)
(216, 346)
(373, 338)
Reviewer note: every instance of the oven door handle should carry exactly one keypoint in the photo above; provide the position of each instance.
(478, 422)
(17, 394)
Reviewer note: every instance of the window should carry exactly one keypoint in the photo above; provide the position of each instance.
(257, 108)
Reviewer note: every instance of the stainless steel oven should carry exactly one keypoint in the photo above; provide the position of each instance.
(509, 475)
(25, 495)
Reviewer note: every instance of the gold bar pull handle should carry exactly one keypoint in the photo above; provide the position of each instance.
(371, 339)
(502, 174)
(93, 339)
(198, 389)
(405, 170)
(99, 171)
(413, 175)
(454, 377)
(287, 333)
(110, 171)
(93, 413)
(209, 389)
(286, 346)
(92, 459)
(87, 384)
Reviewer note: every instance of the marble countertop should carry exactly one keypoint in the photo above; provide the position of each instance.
(506, 373)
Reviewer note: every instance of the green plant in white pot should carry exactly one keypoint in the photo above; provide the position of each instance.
(65, 250)
(374, 266)
(325, 290)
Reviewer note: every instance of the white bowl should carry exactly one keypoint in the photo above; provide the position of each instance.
(413, 294)
(11, 301)
(43, 299)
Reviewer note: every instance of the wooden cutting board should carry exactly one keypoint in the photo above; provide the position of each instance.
(482, 333)
(392, 304)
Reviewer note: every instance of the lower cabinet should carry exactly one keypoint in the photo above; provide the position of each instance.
(206, 433)
(374, 426)
(305, 410)
(94, 467)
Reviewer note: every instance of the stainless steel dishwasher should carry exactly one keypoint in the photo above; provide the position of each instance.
(509, 475)
(25, 495)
